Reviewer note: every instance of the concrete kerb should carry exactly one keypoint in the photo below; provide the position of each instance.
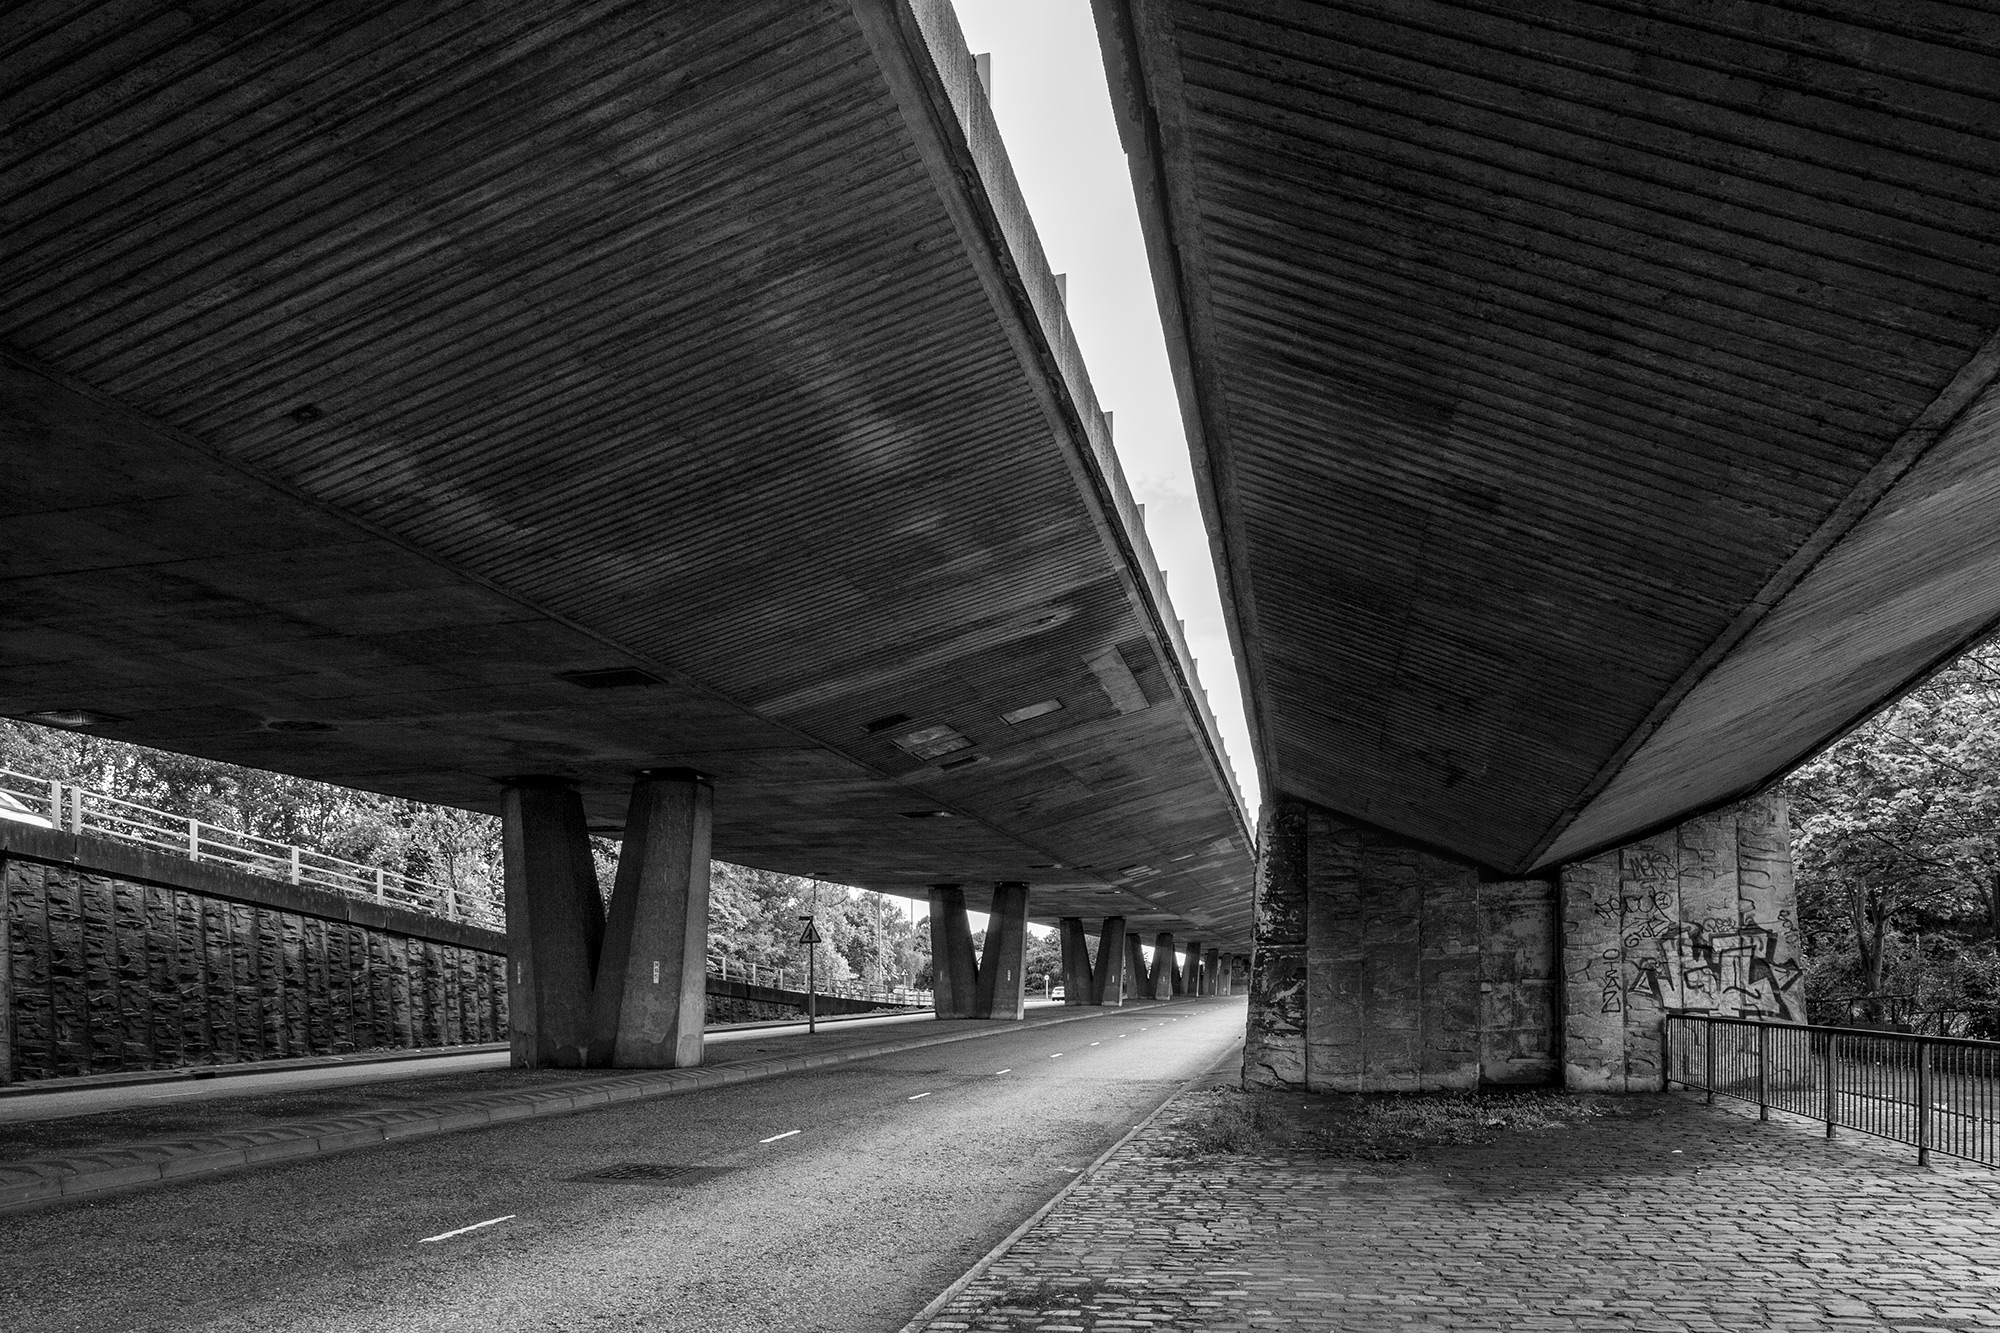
(33, 1184)
(993, 1256)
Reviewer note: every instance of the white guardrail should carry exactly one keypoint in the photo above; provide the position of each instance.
(74, 808)
(792, 977)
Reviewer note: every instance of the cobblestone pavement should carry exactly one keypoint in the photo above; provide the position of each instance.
(1678, 1217)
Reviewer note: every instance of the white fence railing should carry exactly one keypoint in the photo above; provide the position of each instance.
(74, 808)
(792, 977)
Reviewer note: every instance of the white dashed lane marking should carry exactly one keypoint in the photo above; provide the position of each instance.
(919, 1097)
(775, 1137)
(447, 1235)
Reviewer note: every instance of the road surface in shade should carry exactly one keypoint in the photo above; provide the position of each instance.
(837, 1199)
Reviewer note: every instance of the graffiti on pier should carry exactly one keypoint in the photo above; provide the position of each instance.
(1742, 973)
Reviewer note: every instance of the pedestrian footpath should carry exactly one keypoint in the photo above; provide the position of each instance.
(1674, 1218)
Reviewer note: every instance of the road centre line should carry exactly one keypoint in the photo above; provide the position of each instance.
(919, 1097)
(1057, 1056)
(775, 1137)
(447, 1235)
(1003, 1071)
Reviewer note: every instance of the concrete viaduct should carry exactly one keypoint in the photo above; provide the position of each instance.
(662, 422)
(651, 421)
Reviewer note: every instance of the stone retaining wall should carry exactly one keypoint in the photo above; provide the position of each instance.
(117, 958)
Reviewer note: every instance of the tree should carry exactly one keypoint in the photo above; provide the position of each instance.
(1897, 846)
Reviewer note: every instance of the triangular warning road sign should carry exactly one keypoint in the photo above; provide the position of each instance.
(812, 934)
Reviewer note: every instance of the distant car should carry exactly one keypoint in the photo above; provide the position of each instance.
(11, 808)
(1057, 994)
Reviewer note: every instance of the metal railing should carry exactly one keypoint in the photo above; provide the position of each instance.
(1938, 1094)
(74, 808)
(790, 977)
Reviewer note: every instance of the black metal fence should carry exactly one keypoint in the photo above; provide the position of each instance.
(1939, 1094)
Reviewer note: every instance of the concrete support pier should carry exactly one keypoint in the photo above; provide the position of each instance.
(627, 990)
(1102, 983)
(1210, 979)
(954, 967)
(652, 975)
(1385, 966)
(555, 922)
(965, 986)
(1189, 972)
(1136, 980)
(1160, 978)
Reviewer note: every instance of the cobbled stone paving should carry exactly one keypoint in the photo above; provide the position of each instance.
(1676, 1217)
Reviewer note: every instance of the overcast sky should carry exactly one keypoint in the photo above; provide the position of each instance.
(1049, 95)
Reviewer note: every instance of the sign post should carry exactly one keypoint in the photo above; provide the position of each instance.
(811, 940)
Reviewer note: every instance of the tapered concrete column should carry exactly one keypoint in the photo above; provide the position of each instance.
(1136, 981)
(1160, 981)
(1003, 966)
(652, 975)
(1225, 975)
(1191, 971)
(555, 922)
(1211, 979)
(954, 969)
(1107, 982)
(1075, 961)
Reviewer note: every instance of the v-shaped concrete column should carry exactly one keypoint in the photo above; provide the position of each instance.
(555, 923)
(1104, 982)
(1003, 972)
(651, 997)
(631, 991)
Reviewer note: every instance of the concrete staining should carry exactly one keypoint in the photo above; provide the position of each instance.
(1384, 966)
(851, 1225)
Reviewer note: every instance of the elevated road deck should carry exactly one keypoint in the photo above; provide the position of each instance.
(411, 399)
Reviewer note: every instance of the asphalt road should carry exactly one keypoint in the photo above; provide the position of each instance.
(247, 1081)
(902, 1171)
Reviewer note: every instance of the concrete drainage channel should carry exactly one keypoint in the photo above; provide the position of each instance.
(38, 1184)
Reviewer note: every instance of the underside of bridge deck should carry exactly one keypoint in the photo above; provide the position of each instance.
(1592, 402)
(411, 397)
